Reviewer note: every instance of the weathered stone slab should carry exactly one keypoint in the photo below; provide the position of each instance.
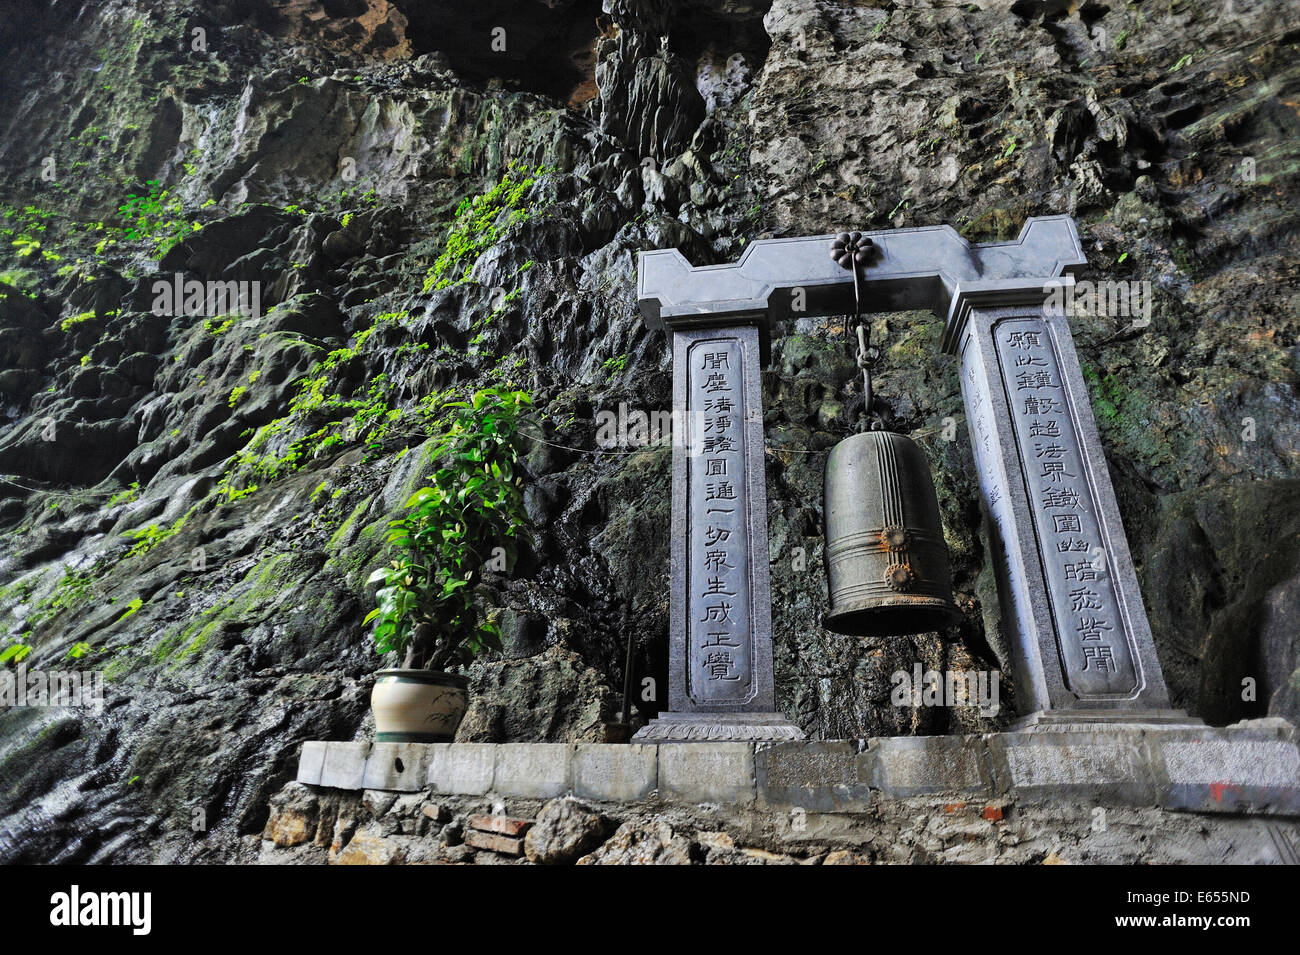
(615, 773)
(536, 770)
(311, 762)
(1106, 765)
(920, 765)
(1223, 772)
(344, 766)
(707, 772)
(816, 777)
(399, 767)
(462, 768)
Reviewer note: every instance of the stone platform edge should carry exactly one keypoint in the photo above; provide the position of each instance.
(1248, 767)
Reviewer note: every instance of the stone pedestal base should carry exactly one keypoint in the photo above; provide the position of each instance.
(717, 727)
(1069, 721)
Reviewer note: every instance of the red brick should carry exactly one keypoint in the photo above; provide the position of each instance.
(502, 824)
(493, 842)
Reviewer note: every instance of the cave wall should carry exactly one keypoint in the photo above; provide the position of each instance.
(324, 145)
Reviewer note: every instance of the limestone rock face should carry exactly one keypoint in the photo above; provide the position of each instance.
(654, 843)
(178, 512)
(565, 829)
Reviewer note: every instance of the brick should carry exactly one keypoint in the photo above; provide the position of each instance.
(504, 825)
(494, 842)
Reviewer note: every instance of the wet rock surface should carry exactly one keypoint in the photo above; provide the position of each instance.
(163, 503)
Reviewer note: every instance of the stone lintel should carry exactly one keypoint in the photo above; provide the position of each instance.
(777, 279)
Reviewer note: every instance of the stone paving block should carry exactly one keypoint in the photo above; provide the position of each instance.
(344, 766)
(1217, 772)
(311, 762)
(1110, 765)
(398, 767)
(461, 768)
(813, 776)
(707, 772)
(615, 772)
(535, 770)
(919, 765)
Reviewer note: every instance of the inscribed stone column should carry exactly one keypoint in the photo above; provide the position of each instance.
(720, 630)
(1080, 639)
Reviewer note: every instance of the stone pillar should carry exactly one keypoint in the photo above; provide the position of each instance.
(1081, 645)
(720, 630)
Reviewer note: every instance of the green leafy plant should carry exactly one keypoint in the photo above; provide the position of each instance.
(156, 216)
(470, 513)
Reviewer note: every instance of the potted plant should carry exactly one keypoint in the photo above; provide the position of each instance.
(427, 612)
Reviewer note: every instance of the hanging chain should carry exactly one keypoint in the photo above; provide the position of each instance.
(853, 250)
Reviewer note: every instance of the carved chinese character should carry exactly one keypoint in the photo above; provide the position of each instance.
(716, 445)
(1036, 405)
(1066, 523)
(1055, 471)
(1071, 543)
(714, 588)
(1062, 497)
(718, 638)
(1044, 429)
(719, 405)
(715, 535)
(1090, 629)
(715, 466)
(719, 664)
(1083, 598)
(715, 360)
(1053, 451)
(1035, 379)
(717, 613)
(716, 382)
(1022, 360)
(1023, 339)
(716, 560)
(1084, 570)
(1103, 656)
(719, 491)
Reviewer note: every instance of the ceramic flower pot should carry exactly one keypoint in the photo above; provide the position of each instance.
(418, 706)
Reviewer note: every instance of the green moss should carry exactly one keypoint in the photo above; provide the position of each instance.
(481, 222)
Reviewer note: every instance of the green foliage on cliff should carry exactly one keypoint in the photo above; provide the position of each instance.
(470, 514)
(481, 222)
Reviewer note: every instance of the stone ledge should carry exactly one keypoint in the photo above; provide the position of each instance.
(1246, 768)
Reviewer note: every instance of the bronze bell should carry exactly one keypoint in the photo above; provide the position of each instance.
(886, 561)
